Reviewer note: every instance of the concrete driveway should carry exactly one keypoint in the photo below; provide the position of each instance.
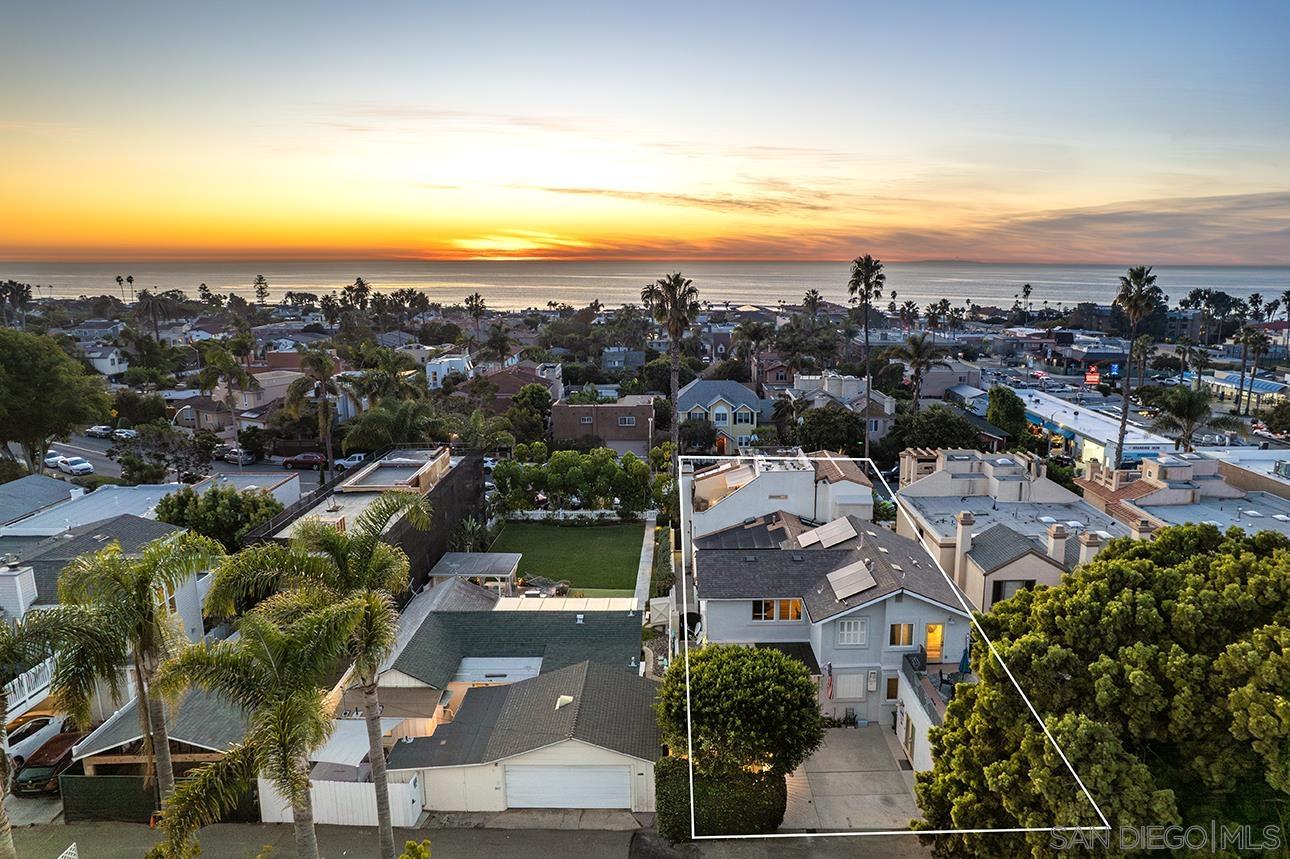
(853, 781)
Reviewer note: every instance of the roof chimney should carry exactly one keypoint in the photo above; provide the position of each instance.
(1057, 537)
(1090, 543)
(962, 544)
(1141, 529)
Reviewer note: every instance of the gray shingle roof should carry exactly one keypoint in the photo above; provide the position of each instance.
(461, 595)
(702, 392)
(199, 719)
(999, 545)
(612, 709)
(735, 574)
(48, 558)
(444, 638)
(26, 495)
(762, 532)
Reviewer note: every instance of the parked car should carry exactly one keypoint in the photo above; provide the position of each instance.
(237, 456)
(40, 773)
(53, 459)
(350, 461)
(75, 465)
(489, 464)
(125, 434)
(305, 460)
(27, 736)
(100, 431)
(220, 451)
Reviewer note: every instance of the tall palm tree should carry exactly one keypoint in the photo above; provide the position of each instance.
(130, 599)
(323, 566)
(129, 278)
(1185, 412)
(909, 315)
(673, 301)
(155, 307)
(1260, 344)
(221, 368)
(865, 286)
(749, 336)
(276, 674)
(26, 642)
(120, 284)
(787, 414)
(920, 354)
(475, 309)
(498, 343)
(1137, 299)
(1244, 337)
(318, 383)
(811, 302)
(1142, 350)
(394, 422)
(480, 431)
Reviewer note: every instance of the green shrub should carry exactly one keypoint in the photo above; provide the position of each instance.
(662, 577)
(734, 804)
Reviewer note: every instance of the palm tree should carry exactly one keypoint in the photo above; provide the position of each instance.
(480, 431)
(394, 422)
(498, 343)
(750, 335)
(1138, 298)
(120, 284)
(866, 286)
(1185, 412)
(787, 414)
(673, 301)
(811, 302)
(319, 382)
(129, 596)
(155, 307)
(1244, 337)
(323, 566)
(220, 367)
(26, 642)
(475, 309)
(129, 278)
(920, 354)
(1260, 344)
(276, 675)
(357, 294)
(909, 315)
(1141, 351)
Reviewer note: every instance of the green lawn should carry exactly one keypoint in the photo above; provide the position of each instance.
(598, 560)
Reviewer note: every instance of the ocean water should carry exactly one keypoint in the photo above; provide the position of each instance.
(518, 285)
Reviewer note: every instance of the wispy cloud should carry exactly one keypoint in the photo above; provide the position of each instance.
(750, 204)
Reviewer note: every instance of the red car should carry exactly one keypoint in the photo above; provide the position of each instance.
(305, 460)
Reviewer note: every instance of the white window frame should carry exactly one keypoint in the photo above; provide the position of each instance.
(721, 418)
(586, 419)
(851, 632)
(912, 637)
(743, 417)
(627, 420)
(859, 678)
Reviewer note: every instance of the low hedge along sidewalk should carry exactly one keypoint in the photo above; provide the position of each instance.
(739, 803)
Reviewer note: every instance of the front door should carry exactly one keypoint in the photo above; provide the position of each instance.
(935, 641)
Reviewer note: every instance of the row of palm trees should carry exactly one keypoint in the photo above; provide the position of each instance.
(326, 598)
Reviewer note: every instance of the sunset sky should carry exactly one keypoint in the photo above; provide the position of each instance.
(1068, 133)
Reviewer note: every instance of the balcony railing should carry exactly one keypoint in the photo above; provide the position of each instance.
(29, 688)
(914, 667)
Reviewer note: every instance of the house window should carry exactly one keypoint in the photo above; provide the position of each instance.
(1001, 590)
(721, 418)
(696, 415)
(788, 610)
(779, 376)
(743, 440)
(627, 421)
(901, 635)
(893, 689)
(586, 419)
(873, 426)
(743, 417)
(852, 633)
(849, 686)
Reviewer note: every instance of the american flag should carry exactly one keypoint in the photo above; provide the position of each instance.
(828, 680)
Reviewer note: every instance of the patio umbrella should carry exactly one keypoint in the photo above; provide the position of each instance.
(965, 664)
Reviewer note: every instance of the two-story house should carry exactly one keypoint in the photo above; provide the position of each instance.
(107, 360)
(732, 408)
(849, 598)
(626, 426)
(439, 367)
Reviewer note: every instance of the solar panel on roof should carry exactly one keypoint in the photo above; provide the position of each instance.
(808, 538)
(851, 580)
(835, 532)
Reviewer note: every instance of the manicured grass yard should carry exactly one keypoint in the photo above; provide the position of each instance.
(598, 560)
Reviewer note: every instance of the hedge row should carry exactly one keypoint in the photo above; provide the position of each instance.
(734, 804)
(662, 577)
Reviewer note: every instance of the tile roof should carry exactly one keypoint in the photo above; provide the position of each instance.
(611, 709)
(26, 495)
(898, 564)
(833, 467)
(48, 558)
(444, 638)
(199, 719)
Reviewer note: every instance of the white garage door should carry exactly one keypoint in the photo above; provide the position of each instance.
(568, 787)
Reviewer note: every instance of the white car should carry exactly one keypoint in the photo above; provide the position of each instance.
(53, 459)
(125, 434)
(489, 464)
(350, 461)
(31, 735)
(74, 465)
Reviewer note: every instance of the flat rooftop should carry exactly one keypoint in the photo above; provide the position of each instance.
(1084, 420)
(103, 503)
(1252, 459)
(1258, 511)
(1029, 518)
(485, 565)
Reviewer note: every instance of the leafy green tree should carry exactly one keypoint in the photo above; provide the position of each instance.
(222, 513)
(751, 707)
(937, 427)
(536, 398)
(656, 375)
(44, 396)
(830, 428)
(480, 431)
(133, 408)
(1007, 411)
(525, 424)
(254, 441)
(158, 450)
(1278, 417)
(697, 435)
(1160, 667)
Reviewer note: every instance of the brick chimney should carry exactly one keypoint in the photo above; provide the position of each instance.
(1057, 537)
(1089, 545)
(962, 545)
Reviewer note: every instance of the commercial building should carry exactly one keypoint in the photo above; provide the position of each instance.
(1089, 433)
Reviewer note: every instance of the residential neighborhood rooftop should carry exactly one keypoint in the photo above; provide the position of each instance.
(103, 503)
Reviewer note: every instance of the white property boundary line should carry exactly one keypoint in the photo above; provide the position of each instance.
(689, 722)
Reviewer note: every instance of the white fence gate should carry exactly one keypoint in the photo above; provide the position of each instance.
(346, 803)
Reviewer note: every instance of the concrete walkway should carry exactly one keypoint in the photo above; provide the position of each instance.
(646, 566)
(853, 781)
